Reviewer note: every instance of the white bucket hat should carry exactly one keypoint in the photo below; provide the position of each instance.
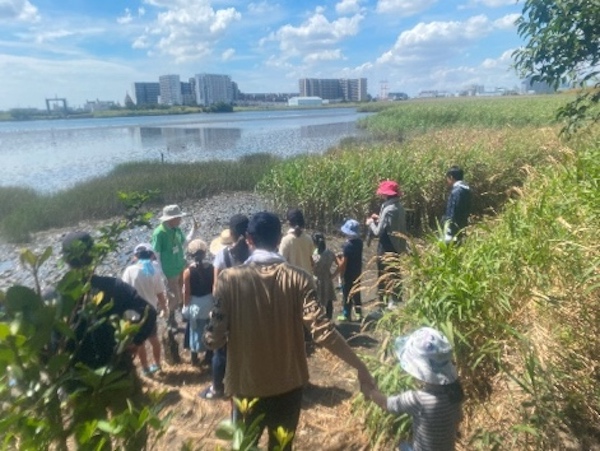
(223, 240)
(427, 355)
(171, 212)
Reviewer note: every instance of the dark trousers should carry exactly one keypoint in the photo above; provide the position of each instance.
(389, 281)
(279, 410)
(351, 299)
(219, 363)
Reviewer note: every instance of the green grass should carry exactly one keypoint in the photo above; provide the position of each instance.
(419, 116)
(343, 182)
(27, 212)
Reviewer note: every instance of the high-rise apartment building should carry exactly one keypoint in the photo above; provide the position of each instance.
(145, 93)
(188, 97)
(351, 90)
(213, 88)
(170, 90)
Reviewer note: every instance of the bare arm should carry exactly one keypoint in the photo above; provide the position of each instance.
(372, 393)
(187, 294)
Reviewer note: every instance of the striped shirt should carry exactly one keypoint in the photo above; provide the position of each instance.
(435, 418)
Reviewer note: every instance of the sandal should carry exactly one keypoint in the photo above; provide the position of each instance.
(210, 393)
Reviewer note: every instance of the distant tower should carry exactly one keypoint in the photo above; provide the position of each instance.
(383, 90)
(128, 101)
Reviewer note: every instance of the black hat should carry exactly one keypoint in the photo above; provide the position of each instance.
(238, 224)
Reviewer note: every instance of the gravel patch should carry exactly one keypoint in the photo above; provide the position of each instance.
(213, 214)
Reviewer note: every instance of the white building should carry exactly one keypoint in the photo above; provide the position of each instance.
(305, 101)
(170, 90)
(213, 88)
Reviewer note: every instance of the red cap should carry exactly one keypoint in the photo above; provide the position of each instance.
(389, 188)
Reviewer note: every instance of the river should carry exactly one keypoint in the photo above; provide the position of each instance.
(50, 156)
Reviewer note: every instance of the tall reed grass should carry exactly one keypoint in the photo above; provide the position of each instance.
(24, 211)
(342, 183)
(519, 300)
(419, 116)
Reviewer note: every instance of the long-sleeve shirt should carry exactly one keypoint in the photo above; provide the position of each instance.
(260, 311)
(392, 219)
(458, 208)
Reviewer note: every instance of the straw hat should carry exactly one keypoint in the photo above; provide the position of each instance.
(171, 212)
(220, 242)
(427, 355)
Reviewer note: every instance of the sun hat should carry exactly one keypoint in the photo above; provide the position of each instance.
(351, 228)
(220, 242)
(143, 247)
(196, 246)
(427, 355)
(171, 212)
(389, 188)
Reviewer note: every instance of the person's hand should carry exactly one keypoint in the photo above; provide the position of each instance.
(375, 217)
(367, 382)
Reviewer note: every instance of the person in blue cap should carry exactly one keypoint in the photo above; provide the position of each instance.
(350, 268)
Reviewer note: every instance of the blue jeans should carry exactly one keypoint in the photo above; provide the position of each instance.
(219, 363)
(349, 300)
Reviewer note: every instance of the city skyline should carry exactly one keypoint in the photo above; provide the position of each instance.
(96, 50)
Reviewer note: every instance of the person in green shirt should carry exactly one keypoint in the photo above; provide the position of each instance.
(168, 242)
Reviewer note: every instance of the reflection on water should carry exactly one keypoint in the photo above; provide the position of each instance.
(181, 139)
(54, 155)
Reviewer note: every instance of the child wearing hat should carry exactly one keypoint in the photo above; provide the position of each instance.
(350, 268)
(436, 407)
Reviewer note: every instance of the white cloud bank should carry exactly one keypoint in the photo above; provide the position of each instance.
(19, 10)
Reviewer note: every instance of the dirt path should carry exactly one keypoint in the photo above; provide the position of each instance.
(326, 422)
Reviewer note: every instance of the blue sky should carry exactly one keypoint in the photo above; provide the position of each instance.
(94, 49)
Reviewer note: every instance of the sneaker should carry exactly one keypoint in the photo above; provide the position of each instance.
(210, 393)
(154, 369)
(359, 317)
(146, 372)
(392, 305)
(343, 318)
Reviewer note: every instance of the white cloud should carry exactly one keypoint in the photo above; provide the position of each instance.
(403, 7)
(494, 3)
(19, 10)
(346, 7)
(228, 54)
(436, 41)
(315, 35)
(505, 60)
(126, 18)
(325, 55)
(507, 22)
(188, 30)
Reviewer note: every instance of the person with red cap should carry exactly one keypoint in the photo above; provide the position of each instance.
(389, 226)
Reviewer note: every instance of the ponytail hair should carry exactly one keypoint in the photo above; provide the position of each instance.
(296, 219)
(319, 240)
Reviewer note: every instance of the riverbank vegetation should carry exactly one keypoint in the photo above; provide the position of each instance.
(25, 211)
(518, 299)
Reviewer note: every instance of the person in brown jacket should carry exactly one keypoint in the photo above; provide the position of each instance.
(261, 309)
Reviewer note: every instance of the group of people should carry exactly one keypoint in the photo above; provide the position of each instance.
(265, 293)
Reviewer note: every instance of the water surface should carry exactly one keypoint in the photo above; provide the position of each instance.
(54, 155)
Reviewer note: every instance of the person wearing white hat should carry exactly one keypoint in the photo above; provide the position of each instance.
(146, 277)
(168, 242)
(436, 407)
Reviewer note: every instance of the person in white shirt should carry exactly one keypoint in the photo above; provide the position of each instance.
(146, 277)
